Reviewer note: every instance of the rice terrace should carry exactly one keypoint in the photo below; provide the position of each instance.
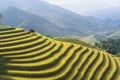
(26, 55)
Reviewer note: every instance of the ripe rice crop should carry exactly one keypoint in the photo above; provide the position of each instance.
(32, 56)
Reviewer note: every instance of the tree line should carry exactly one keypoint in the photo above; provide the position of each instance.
(110, 45)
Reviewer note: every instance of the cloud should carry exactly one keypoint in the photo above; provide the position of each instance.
(86, 6)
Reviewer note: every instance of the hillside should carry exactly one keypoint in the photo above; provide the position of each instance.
(25, 55)
(2, 27)
(113, 34)
(74, 41)
(53, 20)
(20, 18)
(16, 17)
(73, 24)
(94, 38)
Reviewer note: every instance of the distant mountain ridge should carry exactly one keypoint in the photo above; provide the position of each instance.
(53, 20)
(71, 23)
(17, 17)
(112, 13)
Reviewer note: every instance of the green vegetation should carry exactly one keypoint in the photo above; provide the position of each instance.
(75, 41)
(26, 55)
(118, 54)
(110, 45)
(94, 38)
(2, 27)
(115, 35)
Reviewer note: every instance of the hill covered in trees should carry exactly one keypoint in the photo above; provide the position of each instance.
(110, 45)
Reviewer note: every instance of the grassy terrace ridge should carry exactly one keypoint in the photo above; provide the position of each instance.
(2, 27)
(74, 41)
(26, 55)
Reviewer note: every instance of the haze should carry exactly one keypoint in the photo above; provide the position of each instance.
(86, 7)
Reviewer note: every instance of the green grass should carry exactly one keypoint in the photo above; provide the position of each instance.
(118, 54)
(4, 26)
(74, 41)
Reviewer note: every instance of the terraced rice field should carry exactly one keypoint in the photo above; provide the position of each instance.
(31, 56)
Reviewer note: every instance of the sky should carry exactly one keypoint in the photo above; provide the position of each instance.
(85, 7)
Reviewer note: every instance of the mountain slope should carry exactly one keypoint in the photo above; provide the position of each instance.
(16, 17)
(63, 18)
(61, 21)
(115, 35)
(94, 38)
(31, 56)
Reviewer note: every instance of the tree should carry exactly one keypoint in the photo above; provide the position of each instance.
(110, 45)
(31, 30)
